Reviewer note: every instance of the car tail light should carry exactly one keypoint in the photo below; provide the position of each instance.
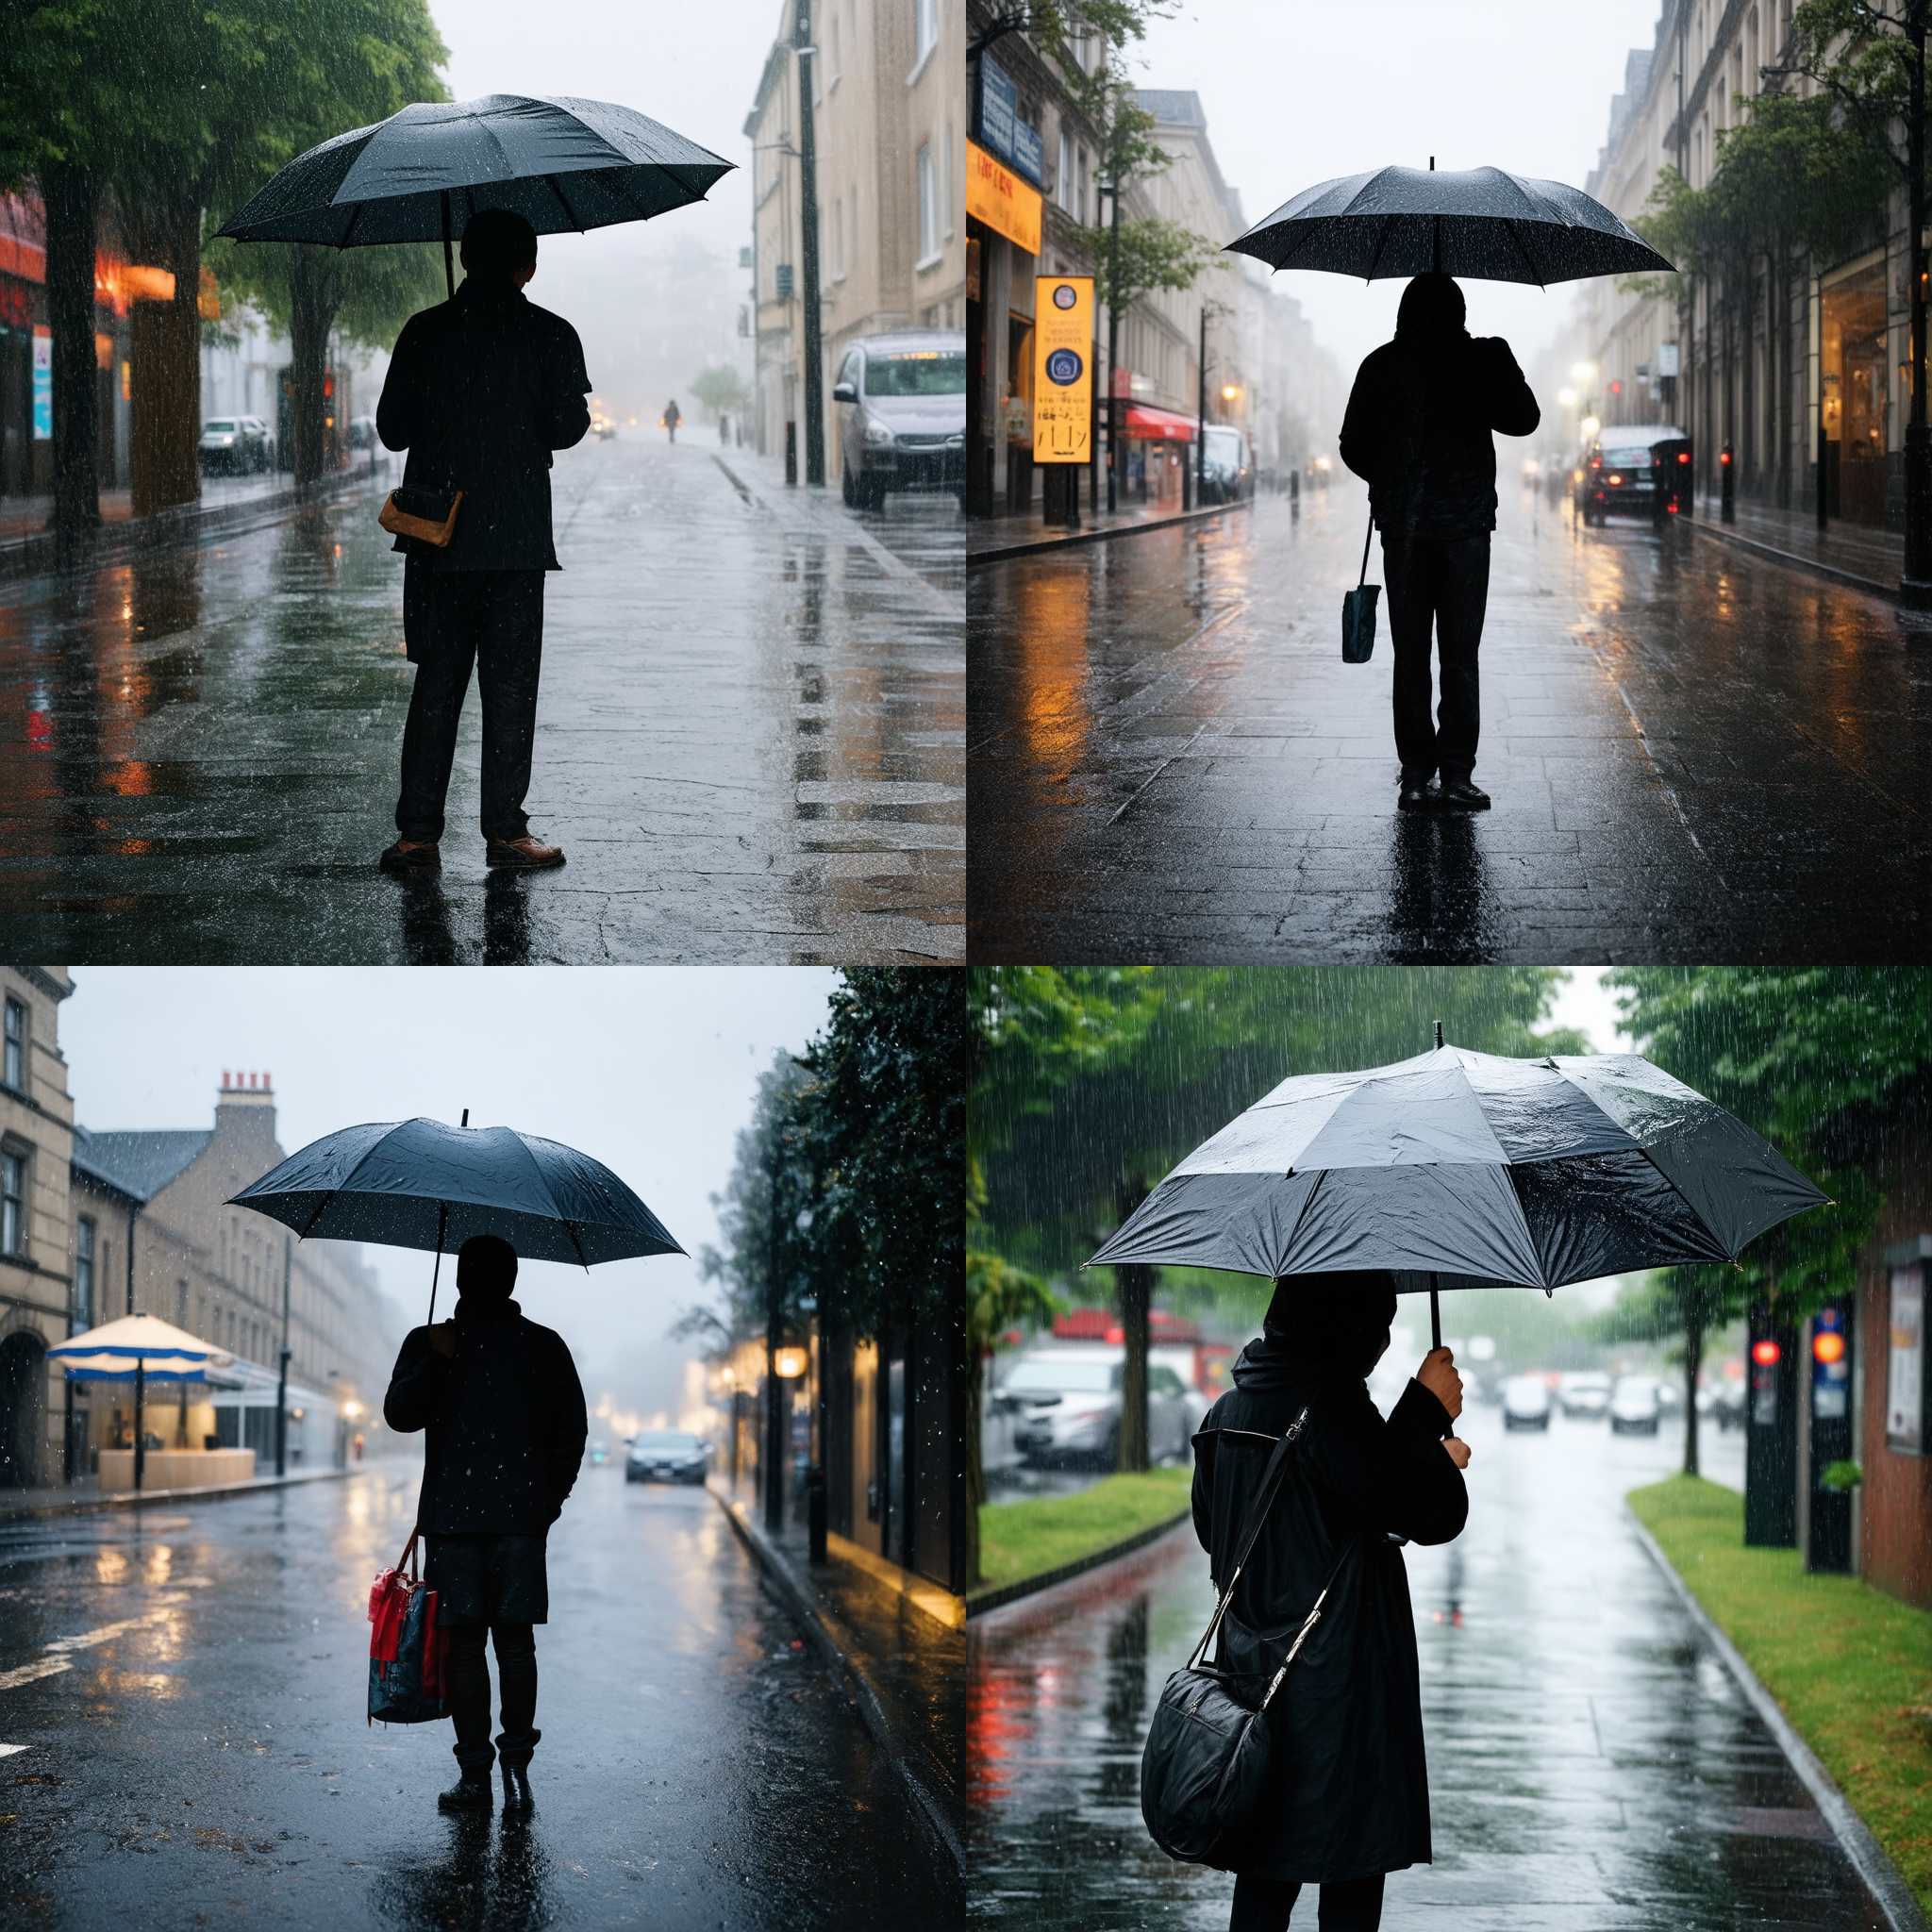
(1615, 478)
(1683, 455)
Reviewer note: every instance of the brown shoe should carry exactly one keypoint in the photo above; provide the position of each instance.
(412, 854)
(525, 853)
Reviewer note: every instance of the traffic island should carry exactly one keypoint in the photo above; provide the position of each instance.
(1840, 1671)
(1034, 1543)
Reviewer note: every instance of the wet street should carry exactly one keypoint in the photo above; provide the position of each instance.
(1694, 754)
(1592, 1766)
(749, 738)
(182, 1738)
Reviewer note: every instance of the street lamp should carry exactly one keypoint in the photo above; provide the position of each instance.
(1583, 374)
(1231, 391)
(1566, 398)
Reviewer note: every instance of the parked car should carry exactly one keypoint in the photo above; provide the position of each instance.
(1641, 469)
(1669, 1397)
(362, 432)
(1527, 1402)
(1634, 1408)
(1583, 1394)
(1228, 473)
(665, 1456)
(1722, 1403)
(232, 445)
(1066, 1407)
(902, 415)
(597, 1454)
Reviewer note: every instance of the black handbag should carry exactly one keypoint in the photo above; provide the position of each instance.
(1205, 1763)
(1359, 610)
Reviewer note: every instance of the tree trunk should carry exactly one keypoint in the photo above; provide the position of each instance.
(976, 1468)
(1693, 1361)
(167, 370)
(1134, 1285)
(312, 312)
(70, 194)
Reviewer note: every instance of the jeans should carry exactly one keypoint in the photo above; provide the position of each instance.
(1264, 1904)
(492, 619)
(1438, 585)
(467, 1677)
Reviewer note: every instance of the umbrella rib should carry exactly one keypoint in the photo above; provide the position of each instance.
(355, 216)
(1521, 249)
(1308, 1202)
(1381, 242)
(562, 202)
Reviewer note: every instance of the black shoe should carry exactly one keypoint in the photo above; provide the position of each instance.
(1418, 795)
(517, 1800)
(1462, 794)
(473, 1791)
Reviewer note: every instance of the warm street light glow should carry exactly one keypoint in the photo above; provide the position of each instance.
(1230, 390)
(787, 1364)
(1589, 426)
(351, 1409)
(1567, 398)
(1584, 373)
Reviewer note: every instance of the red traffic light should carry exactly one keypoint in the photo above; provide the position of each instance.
(1764, 1353)
(1724, 457)
(1828, 1346)
(1616, 388)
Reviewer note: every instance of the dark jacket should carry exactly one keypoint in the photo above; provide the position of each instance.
(1418, 430)
(1350, 1794)
(506, 1421)
(480, 389)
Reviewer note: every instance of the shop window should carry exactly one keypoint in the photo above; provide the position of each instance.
(1904, 1382)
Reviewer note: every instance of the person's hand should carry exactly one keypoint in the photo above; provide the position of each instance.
(1458, 1451)
(442, 1339)
(1437, 1375)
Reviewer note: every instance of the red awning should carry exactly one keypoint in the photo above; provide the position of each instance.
(1158, 426)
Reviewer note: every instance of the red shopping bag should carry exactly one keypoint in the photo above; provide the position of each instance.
(406, 1649)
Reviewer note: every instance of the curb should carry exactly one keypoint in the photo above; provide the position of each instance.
(778, 1573)
(1796, 559)
(1882, 1878)
(980, 1602)
(204, 1492)
(976, 557)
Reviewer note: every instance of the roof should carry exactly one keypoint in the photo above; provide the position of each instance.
(140, 1162)
(1177, 107)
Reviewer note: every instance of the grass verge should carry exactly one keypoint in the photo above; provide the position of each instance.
(1036, 1533)
(1849, 1666)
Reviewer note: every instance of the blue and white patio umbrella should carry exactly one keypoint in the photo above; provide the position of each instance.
(139, 1349)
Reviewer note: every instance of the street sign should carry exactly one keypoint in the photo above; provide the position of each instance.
(1062, 369)
(997, 196)
(1667, 359)
(783, 281)
(1001, 130)
(43, 383)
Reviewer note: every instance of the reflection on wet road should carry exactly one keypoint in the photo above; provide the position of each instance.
(1694, 754)
(749, 738)
(202, 1755)
(1592, 1766)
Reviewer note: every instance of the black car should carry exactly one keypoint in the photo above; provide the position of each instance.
(1636, 469)
(666, 1455)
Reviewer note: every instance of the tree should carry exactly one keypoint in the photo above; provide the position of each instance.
(720, 389)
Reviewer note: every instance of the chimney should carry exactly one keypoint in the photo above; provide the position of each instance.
(246, 1103)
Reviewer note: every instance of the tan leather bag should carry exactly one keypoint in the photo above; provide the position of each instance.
(399, 522)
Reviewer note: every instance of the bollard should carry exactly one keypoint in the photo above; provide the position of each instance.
(791, 452)
(1823, 505)
(1728, 485)
(815, 1513)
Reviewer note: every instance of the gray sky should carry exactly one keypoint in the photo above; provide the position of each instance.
(1585, 1001)
(1296, 94)
(649, 1069)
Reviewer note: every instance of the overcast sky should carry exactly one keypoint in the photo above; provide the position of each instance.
(1296, 94)
(650, 1069)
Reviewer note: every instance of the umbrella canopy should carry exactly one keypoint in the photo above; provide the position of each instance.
(560, 163)
(1479, 223)
(160, 1351)
(1484, 1171)
(422, 1184)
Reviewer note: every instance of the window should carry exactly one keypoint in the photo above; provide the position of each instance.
(83, 1273)
(926, 30)
(929, 206)
(1063, 175)
(180, 1304)
(13, 1070)
(12, 1203)
(839, 239)
(1905, 1386)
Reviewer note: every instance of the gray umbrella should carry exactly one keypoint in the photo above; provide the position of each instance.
(560, 163)
(1479, 223)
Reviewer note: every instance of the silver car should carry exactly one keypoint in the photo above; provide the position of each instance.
(902, 415)
(1065, 1403)
(234, 444)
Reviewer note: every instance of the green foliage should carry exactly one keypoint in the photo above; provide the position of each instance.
(1841, 1477)
(368, 293)
(1860, 56)
(1035, 1534)
(719, 389)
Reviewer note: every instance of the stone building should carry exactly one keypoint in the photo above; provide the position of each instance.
(887, 131)
(36, 1273)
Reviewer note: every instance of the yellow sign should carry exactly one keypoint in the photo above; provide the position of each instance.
(1062, 369)
(998, 197)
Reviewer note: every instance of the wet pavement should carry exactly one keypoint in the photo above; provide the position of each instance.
(189, 1687)
(1592, 1766)
(750, 738)
(1695, 753)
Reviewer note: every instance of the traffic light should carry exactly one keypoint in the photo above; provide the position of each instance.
(1771, 1434)
(1616, 388)
(1728, 485)
(1765, 1353)
(1828, 1346)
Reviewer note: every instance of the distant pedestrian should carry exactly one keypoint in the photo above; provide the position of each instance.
(1350, 1800)
(672, 417)
(1418, 430)
(481, 389)
(503, 1410)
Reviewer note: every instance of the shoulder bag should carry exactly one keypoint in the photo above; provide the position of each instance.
(1359, 610)
(428, 516)
(1206, 1764)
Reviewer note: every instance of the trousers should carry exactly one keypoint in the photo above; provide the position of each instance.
(466, 1676)
(1264, 1904)
(490, 620)
(1438, 587)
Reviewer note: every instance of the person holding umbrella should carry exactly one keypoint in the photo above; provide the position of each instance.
(503, 1410)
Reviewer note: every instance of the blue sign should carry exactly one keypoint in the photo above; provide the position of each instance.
(999, 109)
(1063, 367)
(1029, 154)
(43, 385)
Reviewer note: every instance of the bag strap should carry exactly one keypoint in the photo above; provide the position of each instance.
(1258, 1515)
(1367, 537)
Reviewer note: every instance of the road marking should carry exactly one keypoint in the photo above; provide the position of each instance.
(27, 1673)
(57, 1658)
(8, 1750)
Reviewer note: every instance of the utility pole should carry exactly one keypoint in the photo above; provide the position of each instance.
(813, 371)
(1113, 349)
(1915, 590)
(1201, 414)
(282, 1377)
(775, 1336)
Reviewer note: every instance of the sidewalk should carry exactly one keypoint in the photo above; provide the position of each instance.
(903, 1654)
(1021, 533)
(63, 1499)
(1853, 554)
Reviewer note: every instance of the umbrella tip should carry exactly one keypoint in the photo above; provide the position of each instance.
(466, 1116)
(1439, 1033)
(1432, 164)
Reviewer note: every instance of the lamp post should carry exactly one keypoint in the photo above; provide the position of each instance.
(1112, 189)
(282, 1375)
(809, 252)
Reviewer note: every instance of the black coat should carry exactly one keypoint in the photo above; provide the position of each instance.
(506, 1421)
(480, 389)
(1419, 425)
(1350, 1794)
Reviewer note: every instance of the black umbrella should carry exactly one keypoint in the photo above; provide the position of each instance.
(1481, 223)
(560, 163)
(1467, 1169)
(422, 1184)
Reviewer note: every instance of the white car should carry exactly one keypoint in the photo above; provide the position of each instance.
(1065, 1402)
(1634, 1408)
(231, 445)
(1527, 1402)
(1583, 1394)
(901, 403)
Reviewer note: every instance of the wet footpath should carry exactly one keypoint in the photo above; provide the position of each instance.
(1593, 1765)
(750, 738)
(182, 1738)
(1695, 753)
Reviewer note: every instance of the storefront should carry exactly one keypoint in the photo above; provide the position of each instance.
(1854, 392)
(1158, 444)
(1003, 228)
